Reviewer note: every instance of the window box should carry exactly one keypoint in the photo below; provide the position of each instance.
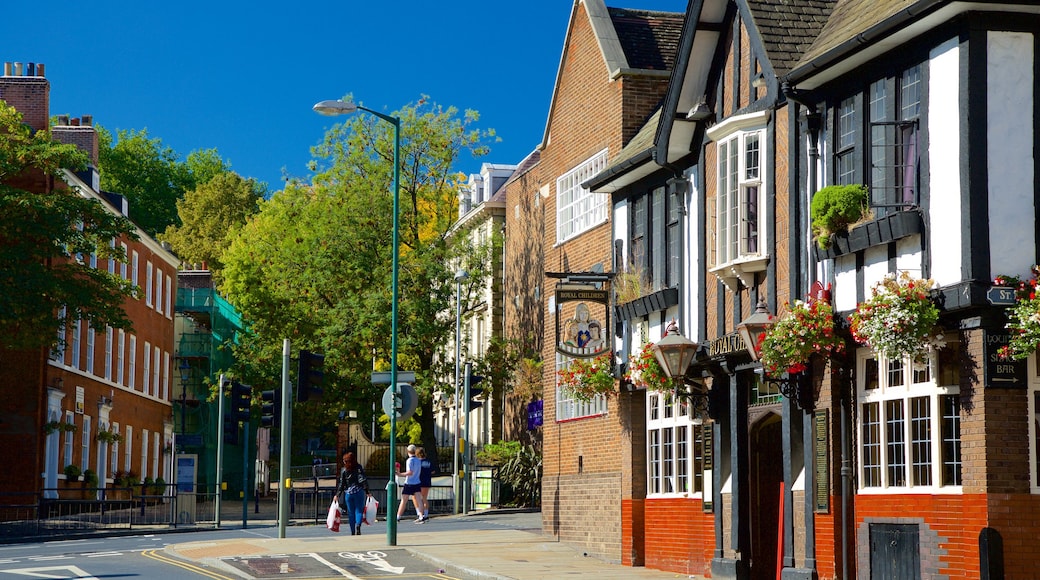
(655, 302)
(883, 230)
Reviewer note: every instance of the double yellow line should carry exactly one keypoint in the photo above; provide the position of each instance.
(155, 555)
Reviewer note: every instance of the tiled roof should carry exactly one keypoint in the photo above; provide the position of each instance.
(850, 18)
(789, 27)
(650, 39)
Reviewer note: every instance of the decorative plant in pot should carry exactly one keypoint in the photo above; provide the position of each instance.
(58, 427)
(898, 320)
(836, 207)
(72, 472)
(1023, 318)
(108, 436)
(804, 329)
(90, 478)
(586, 378)
(646, 373)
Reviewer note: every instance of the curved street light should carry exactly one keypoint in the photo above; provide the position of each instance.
(339, 107)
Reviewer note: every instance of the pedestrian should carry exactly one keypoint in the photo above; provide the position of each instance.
(411, 488)
(352, 492)
(425, 480)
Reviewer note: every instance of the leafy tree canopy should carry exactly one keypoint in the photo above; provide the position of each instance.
(315, 264)
(41, 287)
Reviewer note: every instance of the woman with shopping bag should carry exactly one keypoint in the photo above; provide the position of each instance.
(351, 491)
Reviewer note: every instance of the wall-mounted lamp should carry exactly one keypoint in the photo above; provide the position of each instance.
(753, 329)
(674, 352)
(701, 112)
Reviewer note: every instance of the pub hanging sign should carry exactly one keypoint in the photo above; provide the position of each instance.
(582, 320)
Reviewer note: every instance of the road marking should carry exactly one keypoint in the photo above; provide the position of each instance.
(330, 565)
(190, 567)
(48, 558)
(373, 558)
(75, 572)
(102, 554)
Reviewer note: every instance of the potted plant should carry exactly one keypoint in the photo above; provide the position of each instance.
(108, 436)
(836, 207)
(90, 478)
(645, 372)
(586, 378)
(804, 329)
(58, 427)
(72, 472)
(899, 318)
(1023, 318)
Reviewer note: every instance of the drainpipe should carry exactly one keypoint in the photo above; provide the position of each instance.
(813, 120)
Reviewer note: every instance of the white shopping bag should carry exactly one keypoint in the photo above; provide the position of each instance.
(371, 507)
(333, 519)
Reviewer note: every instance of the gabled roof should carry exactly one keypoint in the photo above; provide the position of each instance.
(787, 28)
(631, 42)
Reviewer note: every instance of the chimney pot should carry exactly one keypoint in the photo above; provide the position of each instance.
(88, 120)
(63, 120)
(74, 122)
(39, 70)
(30, 69)
(7, 69)
(17, 69)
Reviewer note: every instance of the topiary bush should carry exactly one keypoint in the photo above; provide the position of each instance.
(835, 207)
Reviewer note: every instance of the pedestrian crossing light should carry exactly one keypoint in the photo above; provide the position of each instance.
(310, 376)
(241, 396)
(475, 392)
(271, 408)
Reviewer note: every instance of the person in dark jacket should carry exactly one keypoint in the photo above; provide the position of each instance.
(352, 492)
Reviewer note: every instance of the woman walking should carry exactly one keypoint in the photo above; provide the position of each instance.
(352, 492)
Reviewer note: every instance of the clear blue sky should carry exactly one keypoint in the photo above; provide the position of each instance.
(241, 77)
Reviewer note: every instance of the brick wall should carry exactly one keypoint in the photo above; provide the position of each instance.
(680, 536)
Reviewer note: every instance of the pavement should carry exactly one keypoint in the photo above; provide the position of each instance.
(506, 552)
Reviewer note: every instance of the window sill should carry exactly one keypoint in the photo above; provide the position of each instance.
(740, 272)
(889, 228)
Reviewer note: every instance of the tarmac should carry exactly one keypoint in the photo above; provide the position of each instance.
(495, 554)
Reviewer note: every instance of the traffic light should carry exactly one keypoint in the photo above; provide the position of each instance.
(310, 376)
(230, 430)
(240, 400)
(271, 408)
(474, 391)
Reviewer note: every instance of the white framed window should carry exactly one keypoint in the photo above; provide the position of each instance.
(158, 290)
(169, 297)
(155, 456)
(122, 263)
(577, 208)
(165, 377)
(108, 353)
(121, 358)
(739, 197)
(133, 268)
(90, 350)
(148, 283)
(84, 458)
(146, 375)
(114, 449)
(675, 447)
(77, 329)
(129, 452)
(70, 419)
(909, 423)
(131, 381)
(156, 372)
(93, 260)
(144, 454)
(568, 407)
(58, 352)
(112, 259)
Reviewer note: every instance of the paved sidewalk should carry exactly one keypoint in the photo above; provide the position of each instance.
(491, 554)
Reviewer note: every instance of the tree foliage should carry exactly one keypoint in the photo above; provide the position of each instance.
(210, 215)
(314, 265)
(41, 287)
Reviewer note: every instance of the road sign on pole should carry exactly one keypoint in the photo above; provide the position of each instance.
(383, 378)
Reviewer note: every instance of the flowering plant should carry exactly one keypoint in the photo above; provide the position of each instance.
(898, 318)
(1023, 318)
(806, 328)
(645, 372)
(586, 378)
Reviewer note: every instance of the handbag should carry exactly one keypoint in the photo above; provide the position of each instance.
(333, 519)
(371, 507)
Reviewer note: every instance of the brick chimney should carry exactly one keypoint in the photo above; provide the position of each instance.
(24, 87)
(79, 132)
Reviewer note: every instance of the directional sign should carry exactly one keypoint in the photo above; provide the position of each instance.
(1001, 295)
(384, 378)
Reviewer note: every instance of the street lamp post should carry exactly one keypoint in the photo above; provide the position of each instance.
(460, 276)
(339, 107)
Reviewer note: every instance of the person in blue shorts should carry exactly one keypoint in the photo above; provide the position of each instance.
(411, 488)
(425, 480)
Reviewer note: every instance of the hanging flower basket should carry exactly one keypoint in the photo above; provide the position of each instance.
(106, 436)
(899, 318)
(58, 426)
(1023, 318)
(586, 378)
(646, 373)
(806, 328)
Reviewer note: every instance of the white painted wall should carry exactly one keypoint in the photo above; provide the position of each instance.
(944, 155)
(1009, 77)
(844, 292)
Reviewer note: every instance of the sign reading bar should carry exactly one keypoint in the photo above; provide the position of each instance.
(999, 372)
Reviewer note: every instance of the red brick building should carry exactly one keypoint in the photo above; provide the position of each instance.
(104, 381)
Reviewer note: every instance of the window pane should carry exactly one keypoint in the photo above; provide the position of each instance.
(895, 450)
(951, 439)
(750, 220)
(871, 445)
(681, 460)
(667, 461)
(751, 157)
(655, 461)
(657, 244)
(895, 374)
(871, 372)
(921, 440)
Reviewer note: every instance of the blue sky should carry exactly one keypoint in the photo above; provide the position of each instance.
(241, 77)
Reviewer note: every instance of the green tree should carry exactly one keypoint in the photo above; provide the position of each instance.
(41, 287)
(209, 216)
(314, 264)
